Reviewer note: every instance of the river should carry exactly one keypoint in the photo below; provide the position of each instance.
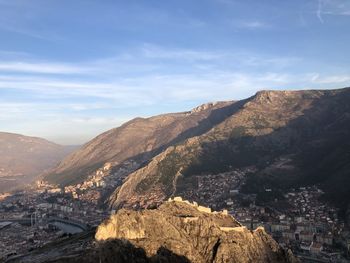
(67, 228)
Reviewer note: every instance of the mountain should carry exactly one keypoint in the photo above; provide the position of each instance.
(291, 138)
(139, 139)
(177, 231)
(23, 158)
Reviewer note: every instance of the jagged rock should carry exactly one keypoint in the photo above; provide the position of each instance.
(204, 107)
(183, 229)
(176, 232)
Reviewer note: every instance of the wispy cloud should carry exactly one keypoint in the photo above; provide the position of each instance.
(23, 31)
(147, 59)
(332, 79)
(93, 96)
(156, 52)
(21, 18)
(319, 11)
(145, 80)
(43, 68)
(255, 24)
(332, 7)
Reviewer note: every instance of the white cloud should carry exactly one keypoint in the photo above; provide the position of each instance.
(332, 7)
(319, 11)
(147, 60)
(61, 100)
(252, 24)
(332, 79)
(156, 52)
(43, 68)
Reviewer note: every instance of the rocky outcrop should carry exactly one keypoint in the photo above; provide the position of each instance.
(192, 232)
(176, 232)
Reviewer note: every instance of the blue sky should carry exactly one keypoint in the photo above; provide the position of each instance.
(70, 70)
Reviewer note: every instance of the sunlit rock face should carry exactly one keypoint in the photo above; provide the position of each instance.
(192, 233)
(176, 232)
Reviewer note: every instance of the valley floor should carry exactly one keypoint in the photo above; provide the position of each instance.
(300, 220)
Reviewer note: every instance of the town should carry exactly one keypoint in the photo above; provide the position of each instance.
(311, 228)
(42, 213)
(302, 222)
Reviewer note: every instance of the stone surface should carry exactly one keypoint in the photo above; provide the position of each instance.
(177, 231)
(198, 236)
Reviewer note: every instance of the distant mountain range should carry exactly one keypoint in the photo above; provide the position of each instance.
(23, 158)
(308, 130)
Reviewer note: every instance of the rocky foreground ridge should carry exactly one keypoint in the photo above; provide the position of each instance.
(192, 233)
(177, 231)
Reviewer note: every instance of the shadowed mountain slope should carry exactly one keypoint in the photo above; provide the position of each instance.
(308, 128)
(139, 139)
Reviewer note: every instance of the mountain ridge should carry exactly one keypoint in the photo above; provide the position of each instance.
(300, 125)
(269, 125)
(140, 138)
(24, 158)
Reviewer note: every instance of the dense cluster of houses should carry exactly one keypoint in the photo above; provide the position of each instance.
(310, 227)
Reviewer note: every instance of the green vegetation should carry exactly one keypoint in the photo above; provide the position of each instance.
(267, 188)
(144, 185)
(238, 132)
(168, 168)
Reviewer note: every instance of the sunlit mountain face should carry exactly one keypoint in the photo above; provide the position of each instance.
(174, 131)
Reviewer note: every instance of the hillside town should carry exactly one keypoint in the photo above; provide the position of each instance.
(33, 218)
(40, 214)
(301, 221)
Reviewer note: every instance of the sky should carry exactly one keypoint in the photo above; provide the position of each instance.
(70, 70)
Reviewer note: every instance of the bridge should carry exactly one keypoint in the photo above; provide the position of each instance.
(17, 220)
(71, 222)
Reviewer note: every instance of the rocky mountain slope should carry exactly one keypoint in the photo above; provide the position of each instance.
(309, 129)
(139, 139)
(177, 231)
(22, 158)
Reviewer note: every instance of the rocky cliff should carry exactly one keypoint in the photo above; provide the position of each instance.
(177, 231)
(193, 233)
